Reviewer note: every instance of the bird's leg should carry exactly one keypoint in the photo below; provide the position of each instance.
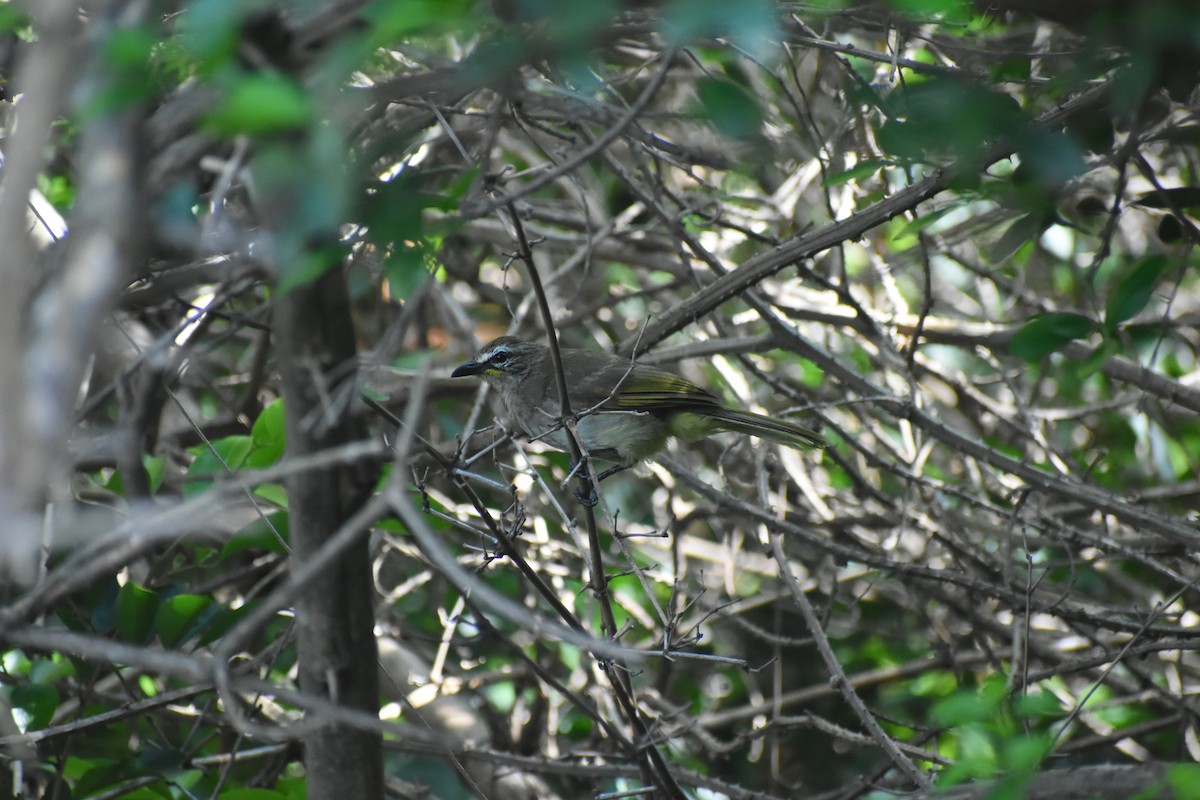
(613, 470)
(590, 499)
(582, 468)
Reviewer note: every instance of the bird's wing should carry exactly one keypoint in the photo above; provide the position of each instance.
(646, 388)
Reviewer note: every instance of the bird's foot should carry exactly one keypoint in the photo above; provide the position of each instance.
(590, 499)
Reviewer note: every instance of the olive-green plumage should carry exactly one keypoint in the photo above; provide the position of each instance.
(626, 410)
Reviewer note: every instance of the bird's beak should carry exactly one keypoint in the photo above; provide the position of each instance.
(469, 368)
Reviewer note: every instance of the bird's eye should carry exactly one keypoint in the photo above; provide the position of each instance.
(499, 358)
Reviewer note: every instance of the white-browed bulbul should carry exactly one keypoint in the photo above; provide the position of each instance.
(626, 410)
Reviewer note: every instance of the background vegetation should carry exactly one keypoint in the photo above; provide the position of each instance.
(242, 504)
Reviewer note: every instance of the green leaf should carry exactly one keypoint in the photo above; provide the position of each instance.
(259, 105)
(1184, 780)
(1010, 787)
(921, 223)
(293, 788)
(130, 48)
(393, 20)
(1134, 290)
(211, 29)
(901, 139)
(1039, 704)
(155, 791)
(273, 493)
(970, 706)
(156, 471)
(221, 457)
(308, 266)
(947, 119)
(1093, 363)
(394, 209)
(977, 751)
(1093, 132)
(267, 437)
(927, 10)
(1016, 68)
(271, 534)
(252, 794)
(105, 774)
(51, 670)
(1046, 333)
(1049, 160)
(33, 705)
(751, 24)
(217, 624)
(268, 428)
(159, 760)
(502, 695)
(1024, 754)
(177, 617)
(405, 270)
(857, 172)
(577, 24)
(934, 683)
(103, 599)
(12, 18)
(59, 189)
(136, 611)
(962, 708)
(730, 109)
(15, 662)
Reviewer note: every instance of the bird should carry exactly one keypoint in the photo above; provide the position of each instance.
(626, 410)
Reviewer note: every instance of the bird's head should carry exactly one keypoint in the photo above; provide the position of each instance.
(504, 362)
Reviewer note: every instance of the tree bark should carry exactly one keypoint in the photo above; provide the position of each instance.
(315, 345)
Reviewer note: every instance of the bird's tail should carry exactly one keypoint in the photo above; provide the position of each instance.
(780, 431)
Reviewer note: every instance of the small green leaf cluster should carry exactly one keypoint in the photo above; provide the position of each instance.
(1049, 333)
(990, 734)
